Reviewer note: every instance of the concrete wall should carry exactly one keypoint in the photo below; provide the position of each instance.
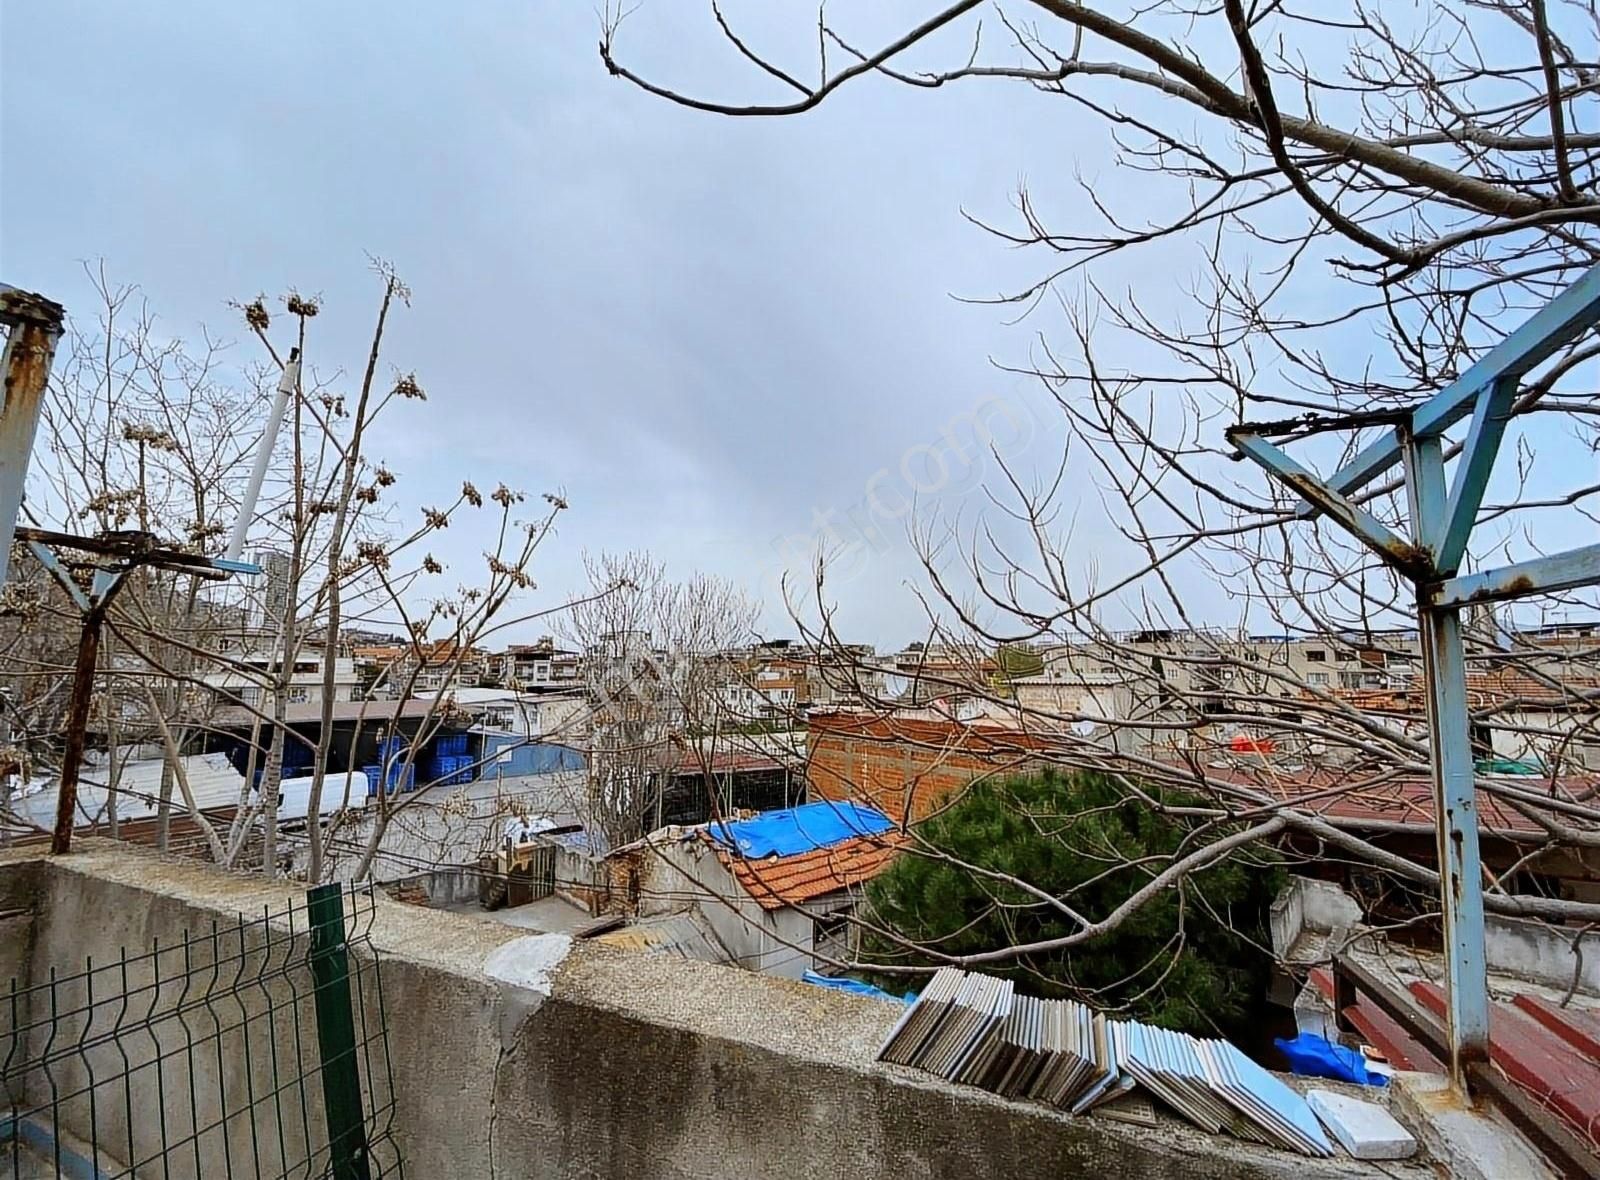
(678, 873)
(542, 1059)
(1305, 906)
(1512, 946)
(1541, 953)
(441, 887)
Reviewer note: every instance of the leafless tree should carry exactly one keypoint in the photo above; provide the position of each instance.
(1356, 203)
(157, 436)
(140, 431)
(655, 676)
(352, 560)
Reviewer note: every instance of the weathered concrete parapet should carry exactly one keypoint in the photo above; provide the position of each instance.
(542, 1058)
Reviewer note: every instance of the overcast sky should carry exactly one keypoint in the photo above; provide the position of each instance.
(710, 334)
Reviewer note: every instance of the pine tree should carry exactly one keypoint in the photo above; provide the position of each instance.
(1196, 958)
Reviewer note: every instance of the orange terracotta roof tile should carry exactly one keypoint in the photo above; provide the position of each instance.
(777, 881)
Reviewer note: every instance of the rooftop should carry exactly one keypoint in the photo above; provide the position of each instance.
(370, 712)
(795, 855)
(777, 881)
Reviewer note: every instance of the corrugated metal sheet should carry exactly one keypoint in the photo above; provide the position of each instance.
(686, 935)
(777, 881)
(1550, 1051)
(505, 755)
(212, 779)
(372, 713)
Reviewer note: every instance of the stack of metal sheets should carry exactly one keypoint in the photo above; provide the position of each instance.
(974, 1028)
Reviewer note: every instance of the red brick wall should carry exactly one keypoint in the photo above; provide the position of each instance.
(905, 768)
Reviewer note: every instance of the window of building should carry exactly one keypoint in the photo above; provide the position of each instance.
(299, 694)
(1318, 679)
(1316, 655)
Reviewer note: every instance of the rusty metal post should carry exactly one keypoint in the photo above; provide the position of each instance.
(77, 727)
(35, 325)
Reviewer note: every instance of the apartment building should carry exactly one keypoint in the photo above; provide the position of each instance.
(539, 667)
(249, 667)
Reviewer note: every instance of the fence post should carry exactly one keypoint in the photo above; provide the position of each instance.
(336, 1035)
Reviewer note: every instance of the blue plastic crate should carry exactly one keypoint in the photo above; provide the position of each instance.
(401, 778)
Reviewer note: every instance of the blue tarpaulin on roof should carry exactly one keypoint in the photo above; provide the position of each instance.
(799, 829)
(855, 987)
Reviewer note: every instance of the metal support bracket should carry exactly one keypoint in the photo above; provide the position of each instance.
(1441, 523)
(1356, 520)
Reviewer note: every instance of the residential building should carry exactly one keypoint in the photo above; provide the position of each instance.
(249, 664)
(1215, 669)
(540, 667)
(761, 685)
(843, 674)
(780, 679)
(443, 665)
(777, 890)
(502, 711)
(376, 665)
(932, 670)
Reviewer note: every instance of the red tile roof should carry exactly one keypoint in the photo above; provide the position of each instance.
(1498, 688)
(777, 881)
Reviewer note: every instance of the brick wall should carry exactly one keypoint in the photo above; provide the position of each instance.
(905, 767)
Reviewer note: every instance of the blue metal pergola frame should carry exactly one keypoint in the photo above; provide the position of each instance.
(34, 325)
(1441, 515)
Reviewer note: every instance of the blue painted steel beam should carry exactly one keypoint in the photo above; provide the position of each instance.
(1460, 866)
(1543, 575)
(105, 585)
(228, 565)
(1482, 444)
(52, 564)
(1454, 787)
(1564, 318)
(1366, 528)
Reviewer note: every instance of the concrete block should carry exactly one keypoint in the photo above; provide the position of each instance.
(1365, 1129)
(1468, 1143)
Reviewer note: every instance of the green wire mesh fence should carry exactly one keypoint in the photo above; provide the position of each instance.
(256, 1047)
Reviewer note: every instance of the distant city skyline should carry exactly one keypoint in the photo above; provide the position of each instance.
(729, 342)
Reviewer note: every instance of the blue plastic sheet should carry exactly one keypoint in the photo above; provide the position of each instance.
(1312, 1056)
(855, 987)
(800, 829)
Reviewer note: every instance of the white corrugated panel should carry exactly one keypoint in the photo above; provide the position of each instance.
(212, 779)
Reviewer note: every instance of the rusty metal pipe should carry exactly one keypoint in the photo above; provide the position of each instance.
(35, 325)
(77, 727)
